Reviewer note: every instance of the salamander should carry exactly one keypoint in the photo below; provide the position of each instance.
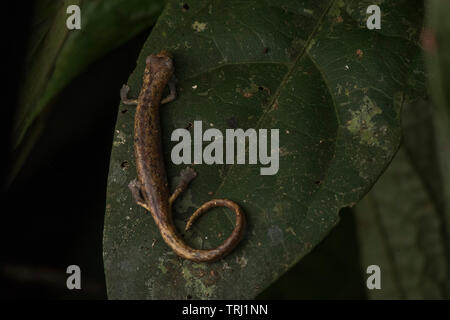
(150, 189)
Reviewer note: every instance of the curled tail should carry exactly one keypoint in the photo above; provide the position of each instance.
(162, 214)
(233, 239)
(174, 240)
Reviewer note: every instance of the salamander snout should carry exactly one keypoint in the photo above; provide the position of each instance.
(161, 60)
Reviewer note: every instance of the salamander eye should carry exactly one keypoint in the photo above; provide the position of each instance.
(169, 63)
(149, 58)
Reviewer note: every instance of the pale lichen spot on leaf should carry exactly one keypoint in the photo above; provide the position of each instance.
(225, 266)
(362, 123)
(291, 231)
(242, 261)
(192, 274)
(335, 10)
(170, 24)
(199, 26)
(250, 91)
(161, 265)
(120, 139)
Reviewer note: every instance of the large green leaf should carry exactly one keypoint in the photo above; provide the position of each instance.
(309, 68)
(57, 55)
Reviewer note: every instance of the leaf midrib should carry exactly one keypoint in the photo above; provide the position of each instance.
(276, 95)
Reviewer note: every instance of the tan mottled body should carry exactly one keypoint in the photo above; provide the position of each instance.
(151, 187)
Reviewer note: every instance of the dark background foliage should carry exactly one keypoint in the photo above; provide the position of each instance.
(52, 215)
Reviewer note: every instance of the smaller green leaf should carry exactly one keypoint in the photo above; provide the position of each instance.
(436, 42)
(420, 144)
(57, 55)
(401, 222)
(400, 231)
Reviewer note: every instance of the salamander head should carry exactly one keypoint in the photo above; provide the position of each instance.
(160, 61)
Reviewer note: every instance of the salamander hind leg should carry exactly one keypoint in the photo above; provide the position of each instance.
(187, 175)
(135, 187)
(124, 96)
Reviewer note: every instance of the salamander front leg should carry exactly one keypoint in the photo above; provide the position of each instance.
(124, 96)
(135, 187)
(172, 91)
